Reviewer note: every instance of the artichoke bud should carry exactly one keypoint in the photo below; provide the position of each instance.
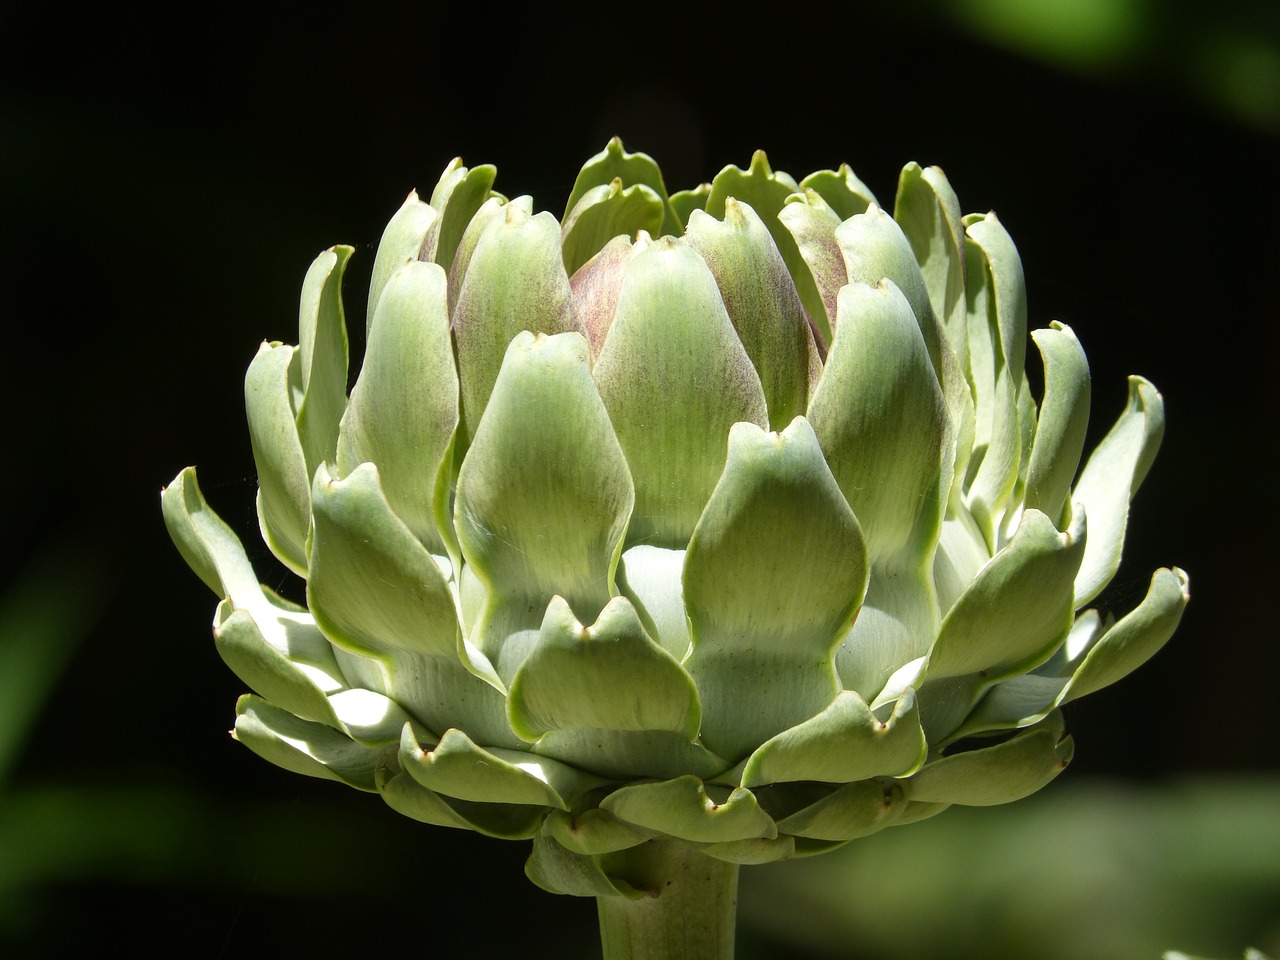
(724, 516)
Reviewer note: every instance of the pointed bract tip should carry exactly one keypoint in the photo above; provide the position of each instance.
(733, 211)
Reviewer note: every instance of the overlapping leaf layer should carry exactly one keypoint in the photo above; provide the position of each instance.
(727, 516)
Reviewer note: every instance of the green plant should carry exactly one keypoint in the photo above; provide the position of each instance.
(690, 531)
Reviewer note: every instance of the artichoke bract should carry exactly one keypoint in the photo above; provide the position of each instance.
(723, 519)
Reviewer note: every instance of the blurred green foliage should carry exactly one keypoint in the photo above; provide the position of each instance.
(1084, 869)
(1225, 54)
(44, 616)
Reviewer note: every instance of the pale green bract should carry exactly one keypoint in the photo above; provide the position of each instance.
(725, 516)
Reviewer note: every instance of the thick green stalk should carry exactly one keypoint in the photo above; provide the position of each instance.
(688, 912)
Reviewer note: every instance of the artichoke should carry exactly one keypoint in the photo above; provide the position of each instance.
(689, 531)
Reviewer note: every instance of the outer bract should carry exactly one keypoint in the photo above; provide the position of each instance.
(725, 517)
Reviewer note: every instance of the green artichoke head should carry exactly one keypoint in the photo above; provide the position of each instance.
(725, 515)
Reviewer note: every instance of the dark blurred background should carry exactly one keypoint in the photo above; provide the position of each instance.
(165, 180)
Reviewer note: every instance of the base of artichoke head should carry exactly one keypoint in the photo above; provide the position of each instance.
(688, 908)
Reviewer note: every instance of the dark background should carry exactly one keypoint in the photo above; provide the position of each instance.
(164, 185)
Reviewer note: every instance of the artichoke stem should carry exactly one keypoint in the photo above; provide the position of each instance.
(688, 910)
